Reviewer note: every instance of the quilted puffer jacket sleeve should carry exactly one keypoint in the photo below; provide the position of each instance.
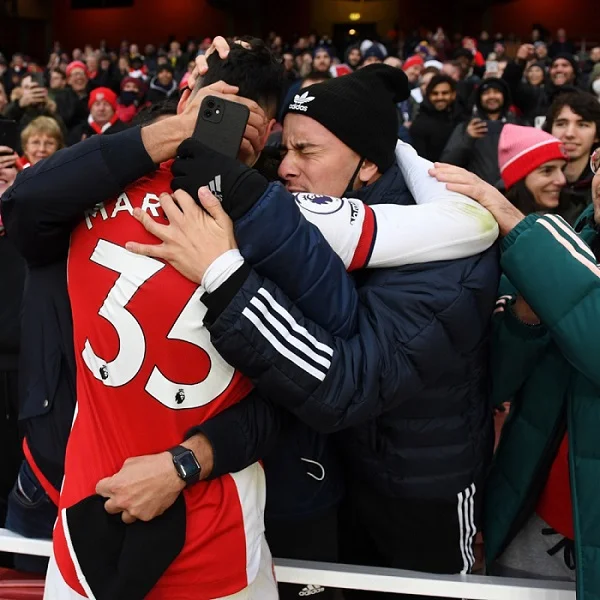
(283, 246)
(516, 346)
(557, 274)
(332, 383)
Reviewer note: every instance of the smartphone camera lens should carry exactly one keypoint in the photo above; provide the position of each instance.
(210, 104)
(208, 114)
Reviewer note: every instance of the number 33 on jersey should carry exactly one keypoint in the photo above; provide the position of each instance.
(139, 324)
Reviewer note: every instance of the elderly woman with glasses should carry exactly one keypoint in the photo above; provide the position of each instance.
(542, 514)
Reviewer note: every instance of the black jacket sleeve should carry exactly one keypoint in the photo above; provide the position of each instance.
(328, 382)
(41, 208)
(243, 434)
(459, 147)
(524, 96)
(418, 134)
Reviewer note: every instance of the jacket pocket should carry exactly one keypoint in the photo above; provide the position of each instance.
(28, 491)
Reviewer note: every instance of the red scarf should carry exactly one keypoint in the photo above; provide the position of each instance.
(22, 163)
(97, 128)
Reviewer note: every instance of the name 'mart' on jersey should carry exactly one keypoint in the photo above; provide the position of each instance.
(150, 204)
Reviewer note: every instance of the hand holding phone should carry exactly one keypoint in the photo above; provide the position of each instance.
(9, 136)
(477, 128)
(221, 124)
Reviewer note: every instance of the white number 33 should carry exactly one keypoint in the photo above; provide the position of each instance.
(134, 271)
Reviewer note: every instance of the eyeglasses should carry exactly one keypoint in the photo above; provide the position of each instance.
(595, 161)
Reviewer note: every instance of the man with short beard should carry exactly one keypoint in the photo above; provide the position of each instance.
(321, 59)
(437, 118)
(474, 144)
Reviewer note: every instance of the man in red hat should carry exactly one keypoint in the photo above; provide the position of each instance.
(72, 102)
(102, 118)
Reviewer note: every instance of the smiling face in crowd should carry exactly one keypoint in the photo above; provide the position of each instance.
(442, 96)
(492, 100)
(535, 75)
(78, 80)
(562, 72)
(40, 146)
(577, 135)
(546, 183)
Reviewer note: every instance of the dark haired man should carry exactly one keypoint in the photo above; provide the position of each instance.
(474, 143)
(163, 86)
(574, 119)
(437, 118)
(230, 557)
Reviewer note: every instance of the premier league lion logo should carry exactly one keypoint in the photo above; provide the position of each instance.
(320, 205)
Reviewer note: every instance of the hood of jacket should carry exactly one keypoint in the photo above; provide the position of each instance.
(390, 188)
(168, 90)
(505, 91)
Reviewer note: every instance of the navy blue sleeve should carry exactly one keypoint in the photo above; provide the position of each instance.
(242, 434)
(282, 246)
(41, 208)
(328, 382)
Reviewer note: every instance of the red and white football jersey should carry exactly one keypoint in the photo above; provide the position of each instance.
(146, 373)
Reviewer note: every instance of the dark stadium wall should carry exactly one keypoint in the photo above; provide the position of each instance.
(578, 17)
(155, 20)
(146, 21)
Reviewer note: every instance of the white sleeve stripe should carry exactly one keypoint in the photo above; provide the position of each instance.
(562, 224)
(584, 261)
(277, 345)
(292, 322)
(288, 335)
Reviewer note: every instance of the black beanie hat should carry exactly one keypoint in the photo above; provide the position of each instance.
(359, 109)
(492, 82)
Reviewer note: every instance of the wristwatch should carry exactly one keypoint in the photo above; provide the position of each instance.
(187, 466)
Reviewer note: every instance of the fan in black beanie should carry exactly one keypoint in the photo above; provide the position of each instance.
(359, 109)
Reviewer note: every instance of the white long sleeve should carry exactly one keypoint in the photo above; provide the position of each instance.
(443, 225)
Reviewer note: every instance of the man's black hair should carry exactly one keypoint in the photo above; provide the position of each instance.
(436, 80)
(149, 114)
(255, 71)
(463, 52)
(317, 76)
(581, 103)
(164, 67)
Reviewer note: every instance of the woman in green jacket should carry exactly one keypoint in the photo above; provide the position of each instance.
(542, 514)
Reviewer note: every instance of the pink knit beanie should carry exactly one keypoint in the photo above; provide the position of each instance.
(523, 149)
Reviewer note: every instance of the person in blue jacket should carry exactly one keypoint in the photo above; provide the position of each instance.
(410, 386)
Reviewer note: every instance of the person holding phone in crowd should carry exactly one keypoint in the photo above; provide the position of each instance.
(30, 101)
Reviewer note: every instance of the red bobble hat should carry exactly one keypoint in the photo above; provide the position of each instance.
(523, 149)
(103, 93)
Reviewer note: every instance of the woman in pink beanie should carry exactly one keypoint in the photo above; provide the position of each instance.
(531, 165)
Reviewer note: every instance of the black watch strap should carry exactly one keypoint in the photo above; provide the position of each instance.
(186, 464)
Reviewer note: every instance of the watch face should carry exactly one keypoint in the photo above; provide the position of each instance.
(188, 466)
